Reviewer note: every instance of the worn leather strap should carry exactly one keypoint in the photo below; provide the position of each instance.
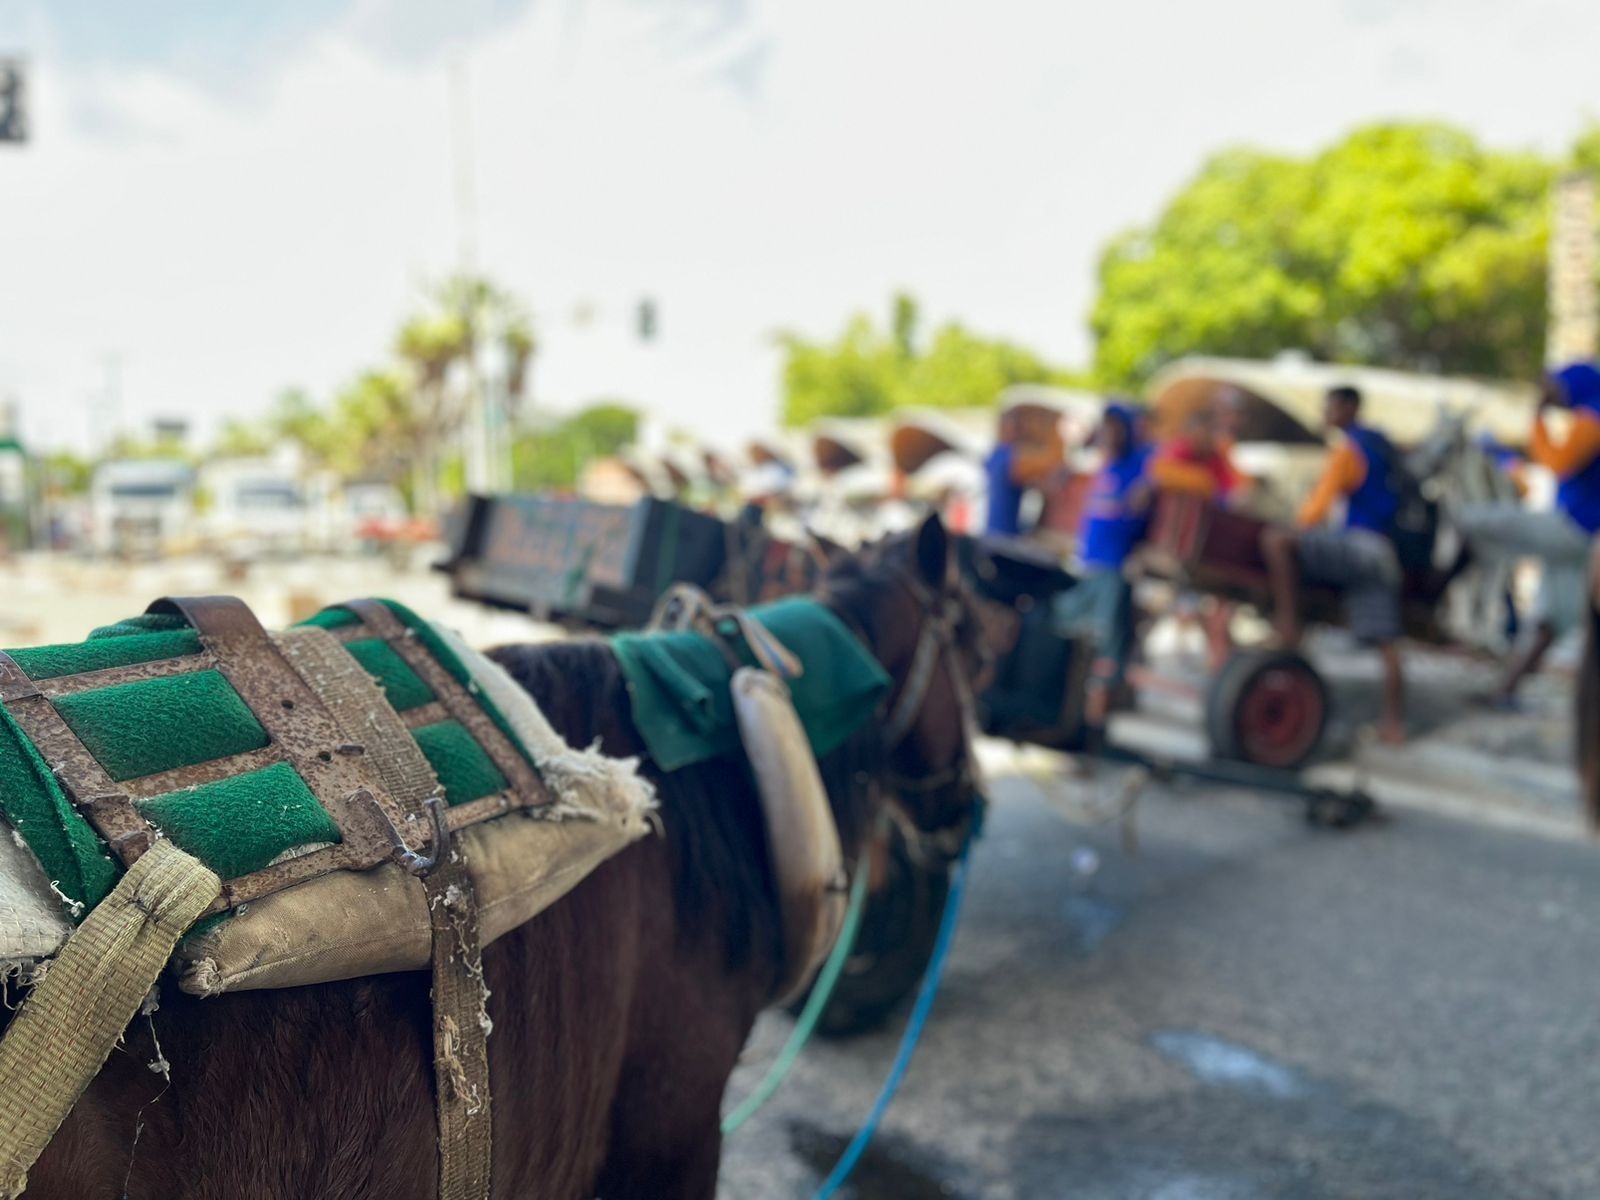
(103, 802)
(460, 1034)
(460, 1049)
(457, 701)
(460, 1016)
(296, 720)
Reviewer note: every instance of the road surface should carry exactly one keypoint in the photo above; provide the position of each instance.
(1246, 1008)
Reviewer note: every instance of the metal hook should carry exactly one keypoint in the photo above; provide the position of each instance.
(414, 862)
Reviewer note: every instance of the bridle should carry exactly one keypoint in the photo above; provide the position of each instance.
(936, 643)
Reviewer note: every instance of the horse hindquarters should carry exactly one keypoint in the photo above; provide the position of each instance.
(326, 1092)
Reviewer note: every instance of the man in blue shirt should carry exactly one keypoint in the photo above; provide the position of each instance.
(1503, 531)
(1013, 466)
(1100, 604)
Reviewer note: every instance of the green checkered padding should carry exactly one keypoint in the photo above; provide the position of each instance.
(235, 825)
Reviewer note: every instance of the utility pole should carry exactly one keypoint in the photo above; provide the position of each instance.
(105, 406)
(462, 164)
(484, 457)
(1573, 331)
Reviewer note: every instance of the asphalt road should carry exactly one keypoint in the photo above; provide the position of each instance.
(1246, 1008)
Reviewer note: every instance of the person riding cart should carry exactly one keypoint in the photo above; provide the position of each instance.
(1560, 539)
(1357, 557)
(1018, 462)
(1199, 462)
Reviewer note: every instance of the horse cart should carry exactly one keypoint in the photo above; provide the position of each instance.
(604, 568)
(1267, 708)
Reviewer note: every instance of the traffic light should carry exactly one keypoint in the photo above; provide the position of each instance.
(13, 101)
(647, 320)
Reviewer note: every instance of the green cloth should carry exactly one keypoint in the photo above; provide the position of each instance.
(154, 725)
(143, 623)
(65, 844)
(678, 684)
(402, 685)
(50, 662)
(241, 824)
(464, 770)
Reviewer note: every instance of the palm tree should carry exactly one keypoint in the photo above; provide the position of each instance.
(465, 314)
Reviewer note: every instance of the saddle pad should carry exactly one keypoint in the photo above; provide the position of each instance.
(173, 741)
(678, 684)
(351, 923)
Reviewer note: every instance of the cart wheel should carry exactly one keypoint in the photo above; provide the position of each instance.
(1267, 708)
(898, 929)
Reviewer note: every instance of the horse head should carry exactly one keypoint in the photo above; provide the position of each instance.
(905, 599)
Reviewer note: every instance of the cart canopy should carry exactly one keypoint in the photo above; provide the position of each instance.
(1281, 399)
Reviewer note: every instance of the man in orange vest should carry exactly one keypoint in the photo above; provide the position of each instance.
(1560, 539)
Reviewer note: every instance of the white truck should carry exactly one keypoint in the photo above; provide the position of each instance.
(141, 508)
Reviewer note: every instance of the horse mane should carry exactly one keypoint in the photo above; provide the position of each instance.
(710, 816)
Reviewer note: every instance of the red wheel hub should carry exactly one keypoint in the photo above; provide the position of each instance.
(1279, 717)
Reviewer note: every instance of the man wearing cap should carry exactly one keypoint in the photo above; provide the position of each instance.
(1560, 539)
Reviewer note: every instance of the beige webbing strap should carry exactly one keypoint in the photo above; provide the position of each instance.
(460, 1034)
(72, 1019)
(460, 1016)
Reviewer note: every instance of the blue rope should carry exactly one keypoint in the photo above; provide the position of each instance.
(908, 1040)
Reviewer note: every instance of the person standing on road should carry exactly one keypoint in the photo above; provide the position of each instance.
(1013, 466)
(1560, 539)
(1115, 514)
(1357, 557)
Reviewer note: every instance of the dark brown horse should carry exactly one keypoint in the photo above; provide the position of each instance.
(618, 1014)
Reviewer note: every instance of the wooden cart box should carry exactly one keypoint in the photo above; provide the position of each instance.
(564, 558)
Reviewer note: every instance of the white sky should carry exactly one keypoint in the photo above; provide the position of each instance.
(253, 203)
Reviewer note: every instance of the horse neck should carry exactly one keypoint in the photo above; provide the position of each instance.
(713, 835)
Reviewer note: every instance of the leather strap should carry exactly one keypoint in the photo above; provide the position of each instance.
(105, 804)
(294, 716)
(458, 703)
(460, 1018)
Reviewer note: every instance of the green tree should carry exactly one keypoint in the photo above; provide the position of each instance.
(1404, 245)
(296, 417)
(242, 439)
(66, 474)
(555, 457)
(867, 371)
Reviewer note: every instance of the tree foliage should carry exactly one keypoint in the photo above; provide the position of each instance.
(400, 422)
(554, 457)
(1403, 245)
(869, 370)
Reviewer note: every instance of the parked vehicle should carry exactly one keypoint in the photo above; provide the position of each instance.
(142, 508)
(257, 507)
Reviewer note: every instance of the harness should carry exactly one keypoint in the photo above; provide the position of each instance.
(936, 643)
(686, 607)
